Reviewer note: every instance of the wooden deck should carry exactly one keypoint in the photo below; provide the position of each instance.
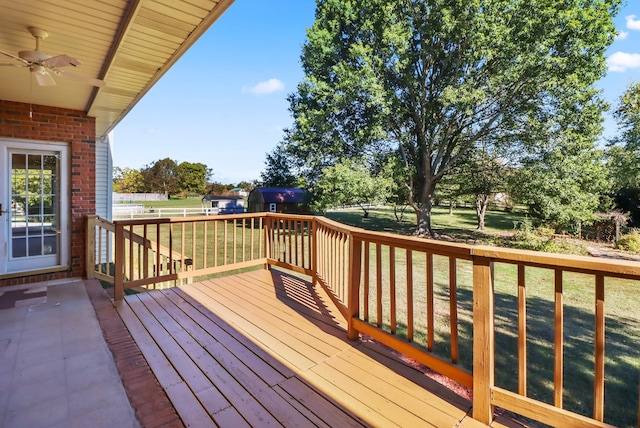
(268, 349)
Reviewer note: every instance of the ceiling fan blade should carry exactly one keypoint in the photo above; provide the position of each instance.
(44, 78)
(17, 58)
(61, 61)
(82, 78)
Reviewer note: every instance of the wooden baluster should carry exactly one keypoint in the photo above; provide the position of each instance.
(194, 251)
(366, 281)
(224, 243)
(158, 260)
(290, 244)
(205, 244)
(243, 240)
(598, 382)
(235, 240)
(522, 332)
(430, 303)
(314, 247)
(453, 308)
(183, 239)
(215, 243)
(305, 265)
(392, 288)
(296, 246)
(558, 340)
(130, 255)
(379, 285)
(108, 258)
(409, 263)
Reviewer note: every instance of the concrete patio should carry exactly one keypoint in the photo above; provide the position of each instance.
(56, 369)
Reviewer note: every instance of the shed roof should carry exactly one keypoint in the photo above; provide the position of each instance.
(283, 195)
(222, 197)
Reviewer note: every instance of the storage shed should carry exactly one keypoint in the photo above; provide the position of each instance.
(280, 200)
(225, 204)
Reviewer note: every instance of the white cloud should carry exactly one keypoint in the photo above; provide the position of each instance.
(621, 61)
(267, 87)
(632, 22)
(622, 35)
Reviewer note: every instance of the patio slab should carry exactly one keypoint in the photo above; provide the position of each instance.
(56, 369)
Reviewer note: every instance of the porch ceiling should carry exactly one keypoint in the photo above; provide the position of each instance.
(128, 44)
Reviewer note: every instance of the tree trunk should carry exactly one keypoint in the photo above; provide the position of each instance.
(424, 218)
(481, 208)
(450, 207)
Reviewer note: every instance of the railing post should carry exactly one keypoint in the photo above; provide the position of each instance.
(483, 340)
(90, 246)
(353, 305)
(118, 290)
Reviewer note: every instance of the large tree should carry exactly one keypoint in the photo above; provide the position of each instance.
(564, 186)
(428, 80)
(127, 180)
(482, 175)
(353, 182)
(623, 154)
(160, 176)
(192, 177)
(277, 172)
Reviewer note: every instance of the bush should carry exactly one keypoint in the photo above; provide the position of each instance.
(630, 242)
(542, 239)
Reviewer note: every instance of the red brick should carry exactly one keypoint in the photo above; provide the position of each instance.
(78, 130)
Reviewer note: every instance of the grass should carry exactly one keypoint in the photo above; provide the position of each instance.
(462, 224)
(622, 349)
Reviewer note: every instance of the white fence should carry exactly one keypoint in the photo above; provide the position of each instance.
(130, 211)
(129, 198)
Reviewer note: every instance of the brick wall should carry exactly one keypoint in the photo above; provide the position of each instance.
(59, 125)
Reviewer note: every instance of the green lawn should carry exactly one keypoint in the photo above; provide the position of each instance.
(174, 203)
(462, 224)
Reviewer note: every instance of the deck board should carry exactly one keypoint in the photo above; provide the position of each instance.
(267, 349)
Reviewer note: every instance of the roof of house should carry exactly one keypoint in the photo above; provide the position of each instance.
(286, 195)
(129, 45)
(222, 198)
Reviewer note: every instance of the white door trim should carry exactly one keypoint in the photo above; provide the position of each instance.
(7, 265)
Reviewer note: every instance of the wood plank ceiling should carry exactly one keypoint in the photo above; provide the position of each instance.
(128, 44)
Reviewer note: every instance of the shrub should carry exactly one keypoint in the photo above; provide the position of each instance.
(630, 242)
(541, 239)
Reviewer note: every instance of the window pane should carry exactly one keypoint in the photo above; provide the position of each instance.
(50, 244)
(19, 247)
(35, 246)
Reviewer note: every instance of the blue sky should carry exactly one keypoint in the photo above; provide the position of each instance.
(224, 102)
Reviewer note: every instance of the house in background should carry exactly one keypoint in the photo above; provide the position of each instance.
(224, 204)
(240, 192)
(56, 130)
(280, 200)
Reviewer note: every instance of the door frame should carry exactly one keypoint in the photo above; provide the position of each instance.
(8, 266)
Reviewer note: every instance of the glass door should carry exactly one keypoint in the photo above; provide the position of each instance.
(33, 206)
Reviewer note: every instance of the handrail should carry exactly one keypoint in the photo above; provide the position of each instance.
(403, 291)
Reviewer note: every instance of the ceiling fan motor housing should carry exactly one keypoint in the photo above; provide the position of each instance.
(33, 56)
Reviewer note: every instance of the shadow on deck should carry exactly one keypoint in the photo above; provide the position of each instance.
(268, 349)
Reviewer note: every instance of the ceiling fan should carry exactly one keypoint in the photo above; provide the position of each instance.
(42, 66)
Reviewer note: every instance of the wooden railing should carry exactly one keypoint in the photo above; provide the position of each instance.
(430, 300)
